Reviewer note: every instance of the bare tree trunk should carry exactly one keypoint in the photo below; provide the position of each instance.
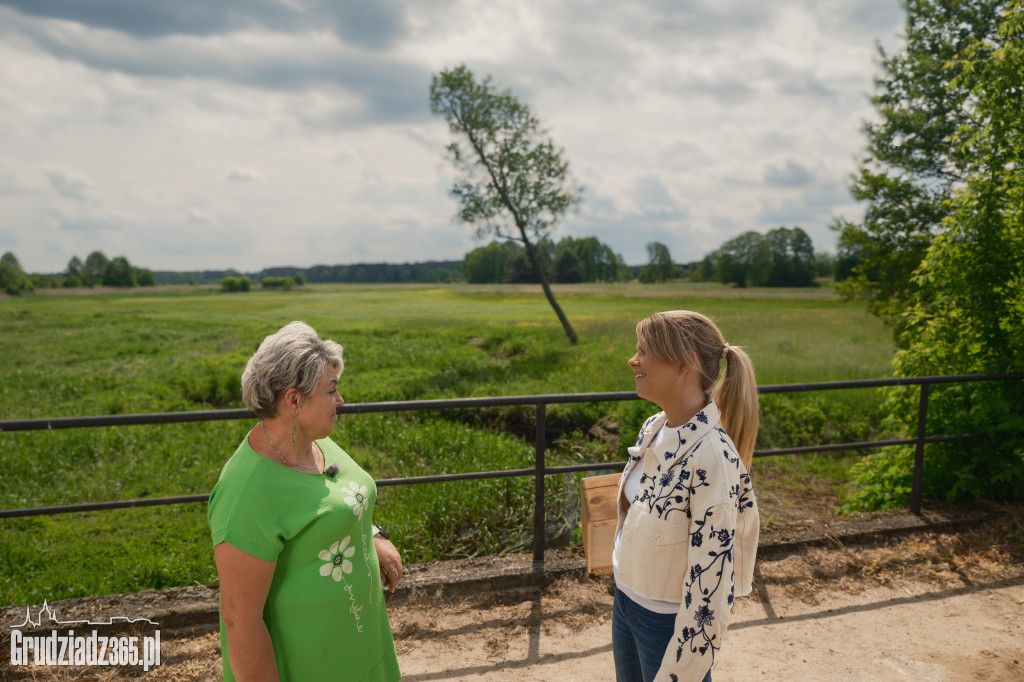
(532, 253)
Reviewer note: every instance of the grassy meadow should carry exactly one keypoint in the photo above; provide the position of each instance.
(71, 354)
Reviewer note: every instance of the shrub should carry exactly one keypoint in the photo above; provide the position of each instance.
(284, 283)
(13, 279)
(235, 284)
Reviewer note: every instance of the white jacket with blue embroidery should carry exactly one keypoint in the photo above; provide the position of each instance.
(690, 536)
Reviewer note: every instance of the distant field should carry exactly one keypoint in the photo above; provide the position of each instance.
(184, 349)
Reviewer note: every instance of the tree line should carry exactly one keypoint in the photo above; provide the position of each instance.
(782, 257)
(568, 261)
(95, 270)
(428, 272)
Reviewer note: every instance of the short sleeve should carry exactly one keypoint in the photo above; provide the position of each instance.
(240, 520)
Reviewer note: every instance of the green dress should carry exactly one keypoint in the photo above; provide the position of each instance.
(325, 610)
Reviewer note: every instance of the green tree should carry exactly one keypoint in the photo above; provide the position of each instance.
(13, 279)
(966, 313)
(94, 268)
(45, 281)
(519, 268)
(513, 175)
(145, 277)
(824, 264)
(486, 264)
(598, 263)
(792, 258)
(909, 169)
(568, 269)
(705, 271)
(745, 260)
(73, 274)
(659, 267)
(119, 273)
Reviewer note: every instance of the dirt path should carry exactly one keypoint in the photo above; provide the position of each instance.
(931, 608)
(879, 636)
(926, 608)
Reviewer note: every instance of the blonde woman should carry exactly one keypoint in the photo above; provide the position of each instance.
(301, 567)
(687, 531)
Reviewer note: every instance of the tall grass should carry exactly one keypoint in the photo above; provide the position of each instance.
(66, 355)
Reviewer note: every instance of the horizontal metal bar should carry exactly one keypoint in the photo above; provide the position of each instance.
(442, 478)
(862, 445)
(469, 476)
(877, 383)
(354, 408)
(460, 403)
(605, 466)
(124, 420)
(95, 506)
(477, 403)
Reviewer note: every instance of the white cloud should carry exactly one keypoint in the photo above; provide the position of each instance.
(788, 174)
(244, 175)
(70, 185)
(191, 134)
(8, 238)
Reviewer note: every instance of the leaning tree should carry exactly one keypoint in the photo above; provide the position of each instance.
(515, 183)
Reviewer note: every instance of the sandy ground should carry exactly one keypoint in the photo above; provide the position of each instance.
(930, 607)
(872, 636)
(927, 609)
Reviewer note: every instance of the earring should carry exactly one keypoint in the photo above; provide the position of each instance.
(293, 430)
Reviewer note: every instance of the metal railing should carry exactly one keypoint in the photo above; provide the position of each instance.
(539, 471)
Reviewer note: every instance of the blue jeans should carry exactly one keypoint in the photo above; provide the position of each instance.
(639, 640)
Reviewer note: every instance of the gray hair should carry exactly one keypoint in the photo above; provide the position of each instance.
(292, 357)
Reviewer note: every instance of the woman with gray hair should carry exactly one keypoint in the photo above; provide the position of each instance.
(687, 530)
(300, 563)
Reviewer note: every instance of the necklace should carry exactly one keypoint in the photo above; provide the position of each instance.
(283, 460)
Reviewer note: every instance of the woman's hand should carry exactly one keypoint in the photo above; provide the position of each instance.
(391, 570)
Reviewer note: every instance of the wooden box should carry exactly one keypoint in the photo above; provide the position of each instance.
(599, 514)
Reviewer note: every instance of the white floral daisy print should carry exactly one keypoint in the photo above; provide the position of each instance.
(357, 497)
(337, 558)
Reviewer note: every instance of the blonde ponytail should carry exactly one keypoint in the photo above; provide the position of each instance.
(736, 396)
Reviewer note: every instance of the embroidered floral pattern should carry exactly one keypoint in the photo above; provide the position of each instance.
(670, 491)
(357, 497)
(674, 487)
(337, 558)
(728, 451)
(707, 573)
(643, 429)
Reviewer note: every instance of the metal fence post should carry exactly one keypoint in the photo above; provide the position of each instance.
(538, 508)
(922, 422)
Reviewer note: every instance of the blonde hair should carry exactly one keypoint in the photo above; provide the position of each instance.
(292, 357)
(687, 338)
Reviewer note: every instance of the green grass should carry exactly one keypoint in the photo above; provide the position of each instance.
(149, 351)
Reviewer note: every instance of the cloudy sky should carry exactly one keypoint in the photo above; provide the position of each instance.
(190, 134)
